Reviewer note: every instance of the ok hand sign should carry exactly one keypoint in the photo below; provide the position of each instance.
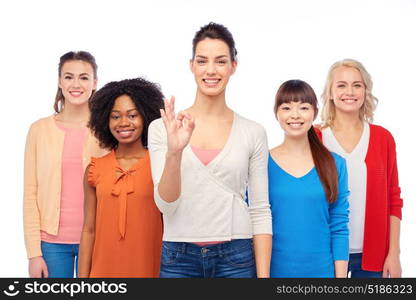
(179, 128)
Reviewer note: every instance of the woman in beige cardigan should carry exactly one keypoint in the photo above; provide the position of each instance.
(58, 149)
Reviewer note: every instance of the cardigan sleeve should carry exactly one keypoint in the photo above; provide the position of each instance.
(258, 191)
(395, 202)
(157, 144)
(338, 214)
(31, 214)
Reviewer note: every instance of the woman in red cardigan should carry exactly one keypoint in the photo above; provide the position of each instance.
(375, 203)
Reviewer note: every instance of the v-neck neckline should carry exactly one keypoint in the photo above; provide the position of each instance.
(286, 172)
(359, 145)
(135, 166)
(223, 151)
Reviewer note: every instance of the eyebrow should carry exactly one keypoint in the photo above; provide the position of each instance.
(217, 57)
(343, 81)
(82, 74)
(114, 110)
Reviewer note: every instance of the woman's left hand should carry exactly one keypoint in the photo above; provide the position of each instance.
(392, 267)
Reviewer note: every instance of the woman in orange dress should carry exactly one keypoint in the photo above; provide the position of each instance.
(122, 233)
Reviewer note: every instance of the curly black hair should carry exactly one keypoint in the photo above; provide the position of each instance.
(146, 95)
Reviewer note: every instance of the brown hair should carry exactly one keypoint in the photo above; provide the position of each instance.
(298, 90)
(78, 55)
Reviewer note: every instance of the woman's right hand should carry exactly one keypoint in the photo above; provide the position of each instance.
(179, 128)
(38, 268)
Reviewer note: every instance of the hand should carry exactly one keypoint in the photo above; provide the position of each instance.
(392, 267)
(179, 128)
(38, 268)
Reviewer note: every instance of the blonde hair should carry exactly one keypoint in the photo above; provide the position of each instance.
(370, 101)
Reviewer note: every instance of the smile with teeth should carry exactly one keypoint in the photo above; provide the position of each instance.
(76, 93)
(125, 132)
(349, 100)
(211, 81)
(295, 124)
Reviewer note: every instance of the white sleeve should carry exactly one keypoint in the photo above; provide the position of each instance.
(157, 144)
(258, 188)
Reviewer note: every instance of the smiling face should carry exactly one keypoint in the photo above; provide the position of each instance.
(295, 118)
(77, 82)
(126, 123)
(212, 66)
(348, 90)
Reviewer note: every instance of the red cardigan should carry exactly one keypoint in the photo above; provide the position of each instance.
(383, 197)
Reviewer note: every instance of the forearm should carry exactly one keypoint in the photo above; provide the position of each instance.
(262, 253)
(394, 246)
(170, 183)
(341, 268)
(85, 253)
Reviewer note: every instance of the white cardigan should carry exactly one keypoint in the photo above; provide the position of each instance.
(212, 204)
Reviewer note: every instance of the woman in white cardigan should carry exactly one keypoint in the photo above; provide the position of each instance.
(205, 160)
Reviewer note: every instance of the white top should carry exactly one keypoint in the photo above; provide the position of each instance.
(212, 204)
(357, 182)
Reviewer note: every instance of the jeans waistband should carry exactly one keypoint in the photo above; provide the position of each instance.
(221, 248)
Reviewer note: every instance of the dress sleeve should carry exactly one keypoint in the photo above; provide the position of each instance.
(92, 172)
(338, 213)
(157, 144)
(395, 202)
(31, 214)
(258, 190)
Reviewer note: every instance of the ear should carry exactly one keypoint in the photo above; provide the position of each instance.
(95, 85)
(191, 65)
(234, 67)
(59, 82)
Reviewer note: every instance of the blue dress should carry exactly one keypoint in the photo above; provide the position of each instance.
(309, 234)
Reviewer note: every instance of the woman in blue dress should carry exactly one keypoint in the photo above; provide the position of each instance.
(308, 190)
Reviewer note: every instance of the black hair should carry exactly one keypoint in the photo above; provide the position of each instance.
(215, 31)
(146, 96)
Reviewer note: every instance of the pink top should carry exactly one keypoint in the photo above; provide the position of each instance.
(206, 156)
(72, 194)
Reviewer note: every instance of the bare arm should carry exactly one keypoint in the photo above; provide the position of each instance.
(341, 268)
(392, 267)
(88, 230)
(179, 131)
(262, 253)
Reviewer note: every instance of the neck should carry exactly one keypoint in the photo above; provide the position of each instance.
(75, 114)
(296, 145)
(135, 149)
(209, 105)
(347, 121)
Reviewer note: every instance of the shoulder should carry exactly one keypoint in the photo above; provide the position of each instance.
(42, 123)
(380, 132)
(250, 125)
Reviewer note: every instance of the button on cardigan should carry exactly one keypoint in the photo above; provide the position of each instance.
(212, 205)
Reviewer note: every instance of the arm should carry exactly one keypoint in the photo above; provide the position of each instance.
(338, 213)
(392, 266)
(88, 230)
(31, 216)
(166, 156)
(259, 207)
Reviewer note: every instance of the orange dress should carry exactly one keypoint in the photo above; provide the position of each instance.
(128, 230)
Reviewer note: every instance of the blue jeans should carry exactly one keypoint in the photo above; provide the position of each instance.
(60, 259)
(354, 266)
(232, 259)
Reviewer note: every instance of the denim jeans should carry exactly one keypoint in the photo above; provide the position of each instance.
(60, 259)
(354, 266)
(232, 259)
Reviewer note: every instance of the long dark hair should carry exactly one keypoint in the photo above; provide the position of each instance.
(215, 31)
(298, 90)
(78, 55)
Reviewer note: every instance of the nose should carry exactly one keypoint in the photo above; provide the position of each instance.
(75, 83)
(349, 90)
(211, 68)
(295, 113)
(124, 121)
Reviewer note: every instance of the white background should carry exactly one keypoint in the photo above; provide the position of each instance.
(276, 41)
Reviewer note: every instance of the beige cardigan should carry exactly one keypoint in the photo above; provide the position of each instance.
(212, 204)
(42, 179)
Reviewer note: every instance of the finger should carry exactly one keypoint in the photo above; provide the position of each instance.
(163, 116)
(385, 272)
(171, 112)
